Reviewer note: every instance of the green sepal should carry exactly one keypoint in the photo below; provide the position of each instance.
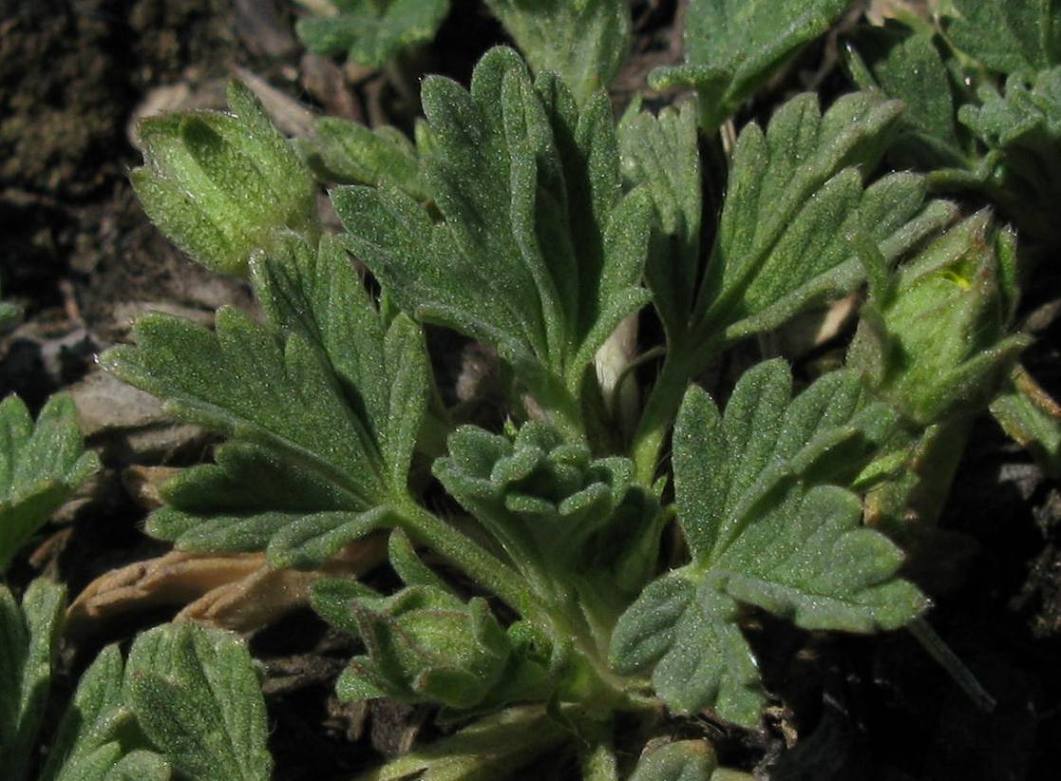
(29, 637)
(220, 185)
(1031, 417)
(936, 342)
(42, 463)
(584, 42)
(423, 645)
(196, 696)
(372, 32)
(732, 47)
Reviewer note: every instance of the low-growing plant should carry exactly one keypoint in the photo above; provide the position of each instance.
(576, 572)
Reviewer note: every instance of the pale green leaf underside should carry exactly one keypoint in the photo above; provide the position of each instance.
(682, 760)
(41, 465)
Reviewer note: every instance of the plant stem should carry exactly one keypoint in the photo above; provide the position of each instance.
(483, 567)
(658, 415)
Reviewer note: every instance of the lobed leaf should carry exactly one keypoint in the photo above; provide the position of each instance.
(196, 696)
(1008, 36)
(584, 42)
(762, 530)
(732, 47)
(322, 407)
(29, 637)
(371, 32)
(42, 463)
(537, 252)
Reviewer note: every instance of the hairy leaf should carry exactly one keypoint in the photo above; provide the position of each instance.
(491, 749)
(322, 407)
(662, 154)
(733, 46)
(763, 531)
(1028, 414)
(41, 465)
(906, 64)
(561, 516)
(794, 194)
(582, 41)
(683, 760)
(29, 637)
(345, 152)
(372, 32)
(196, 696)
(537, 252)
(1008, 36)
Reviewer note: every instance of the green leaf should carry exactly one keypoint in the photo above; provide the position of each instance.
(29, 638)
(584, 42)
(345, 152)
(373, 32)
(221, 185)
(662, 154)
(907, 65)
(1008, 36)
(41, 465)
(196, 697)
(93, 740)
(322, 407)
(762, 530)
(683, 760)
(537, 252)
(732, 47)
(567, 521)
(794, 195)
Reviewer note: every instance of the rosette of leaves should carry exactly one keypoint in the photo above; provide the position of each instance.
(763, 530)
(42, 464)
(187, 702)
(795, 191)
(580, 531)
(222, 185)
(370, 32)
(732, 47)
(537, 251)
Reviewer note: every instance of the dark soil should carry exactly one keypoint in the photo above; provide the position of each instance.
(78, 252)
